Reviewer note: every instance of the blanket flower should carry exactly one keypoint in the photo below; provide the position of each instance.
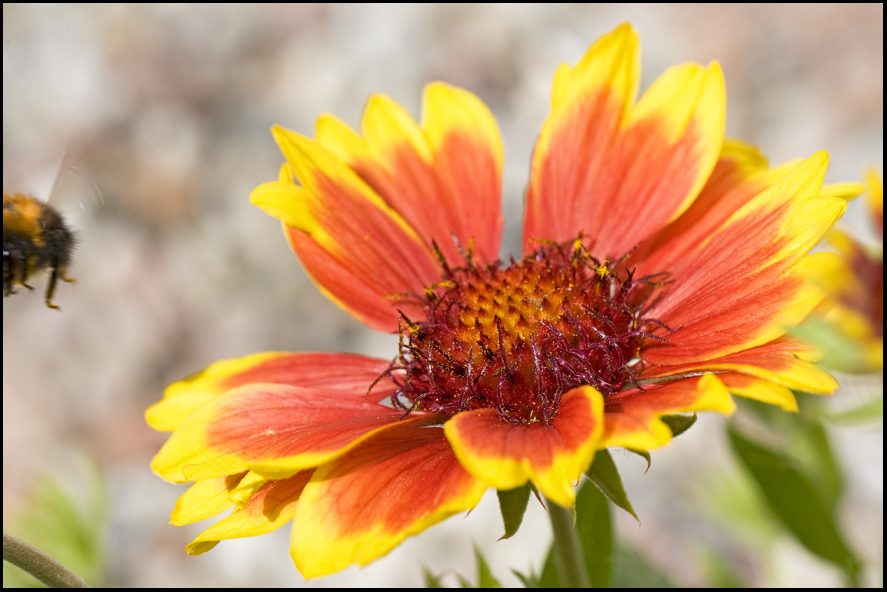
(662, 267)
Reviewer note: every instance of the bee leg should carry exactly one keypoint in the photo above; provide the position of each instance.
(23, 272)
(50, 288)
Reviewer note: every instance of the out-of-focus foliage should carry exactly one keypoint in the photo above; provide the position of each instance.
(800, 506)
(608, 565)
(797, 477)
(67, 521)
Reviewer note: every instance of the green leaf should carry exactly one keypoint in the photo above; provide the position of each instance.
(643, 454)
(595, 531)
(529, 581)
(605, 476)
(678, 424)
(802, 437)
(512, 505)
(809, 444)
(549, 577)
(485, 577)
(431, 580)
(632, 570)
(796, 501)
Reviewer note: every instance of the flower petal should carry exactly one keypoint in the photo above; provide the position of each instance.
(632, 417)
(371, 302)
(363, 504)
(754, 310)
(272, 429)
(506, 455)
(444, 179)
(588, 105)
(740, 174)
(272, 506)
(784, 361)
(858, 283)
(846, 191)
(875, 201)
(311, 370)
(759, 389)
(616, 173)
(349, 240)
(468, 160)
(747, 283)
(248, 486)
(205, 499)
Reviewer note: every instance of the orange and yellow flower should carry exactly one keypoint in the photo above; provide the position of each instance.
(853, 311)
(662, 267)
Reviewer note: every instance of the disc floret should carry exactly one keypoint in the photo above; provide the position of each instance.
(516, 338)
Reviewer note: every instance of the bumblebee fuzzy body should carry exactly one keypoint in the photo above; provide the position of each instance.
(35, 238)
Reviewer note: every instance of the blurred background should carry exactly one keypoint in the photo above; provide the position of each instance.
(159, 117)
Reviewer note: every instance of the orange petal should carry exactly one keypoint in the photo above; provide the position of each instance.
(506, 455)
(747, 283)
(443, 178)
(359, 244)
(786, 219)
(727, 317)
(588, 105)
(272, 506)
(360, 506)
(740, 174)
(632, 417)
(465, 140)
(619, 173)
(785, 362)
(368, 301)
(272, 429)
(338, 371)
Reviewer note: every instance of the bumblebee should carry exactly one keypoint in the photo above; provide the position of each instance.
(35, 238)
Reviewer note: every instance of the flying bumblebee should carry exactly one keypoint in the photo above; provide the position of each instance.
(35, 238)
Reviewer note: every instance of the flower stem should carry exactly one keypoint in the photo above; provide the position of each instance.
(39, 564)
(568, 557)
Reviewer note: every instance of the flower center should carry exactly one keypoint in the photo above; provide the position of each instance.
(517, 338)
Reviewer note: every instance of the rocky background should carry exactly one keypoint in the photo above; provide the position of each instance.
(159, 117)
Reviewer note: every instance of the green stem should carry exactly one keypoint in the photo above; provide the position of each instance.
(39, 564)
(568, 557)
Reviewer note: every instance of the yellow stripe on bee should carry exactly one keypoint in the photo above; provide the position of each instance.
(21, 214)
